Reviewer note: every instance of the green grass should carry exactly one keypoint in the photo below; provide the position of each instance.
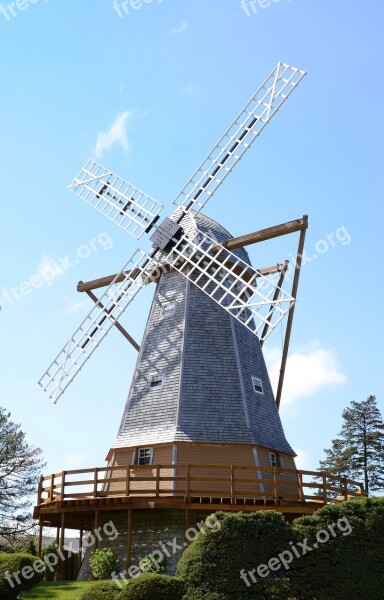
(59, 590)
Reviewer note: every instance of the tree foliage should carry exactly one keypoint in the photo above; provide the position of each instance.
(358, 452)
(20, 467)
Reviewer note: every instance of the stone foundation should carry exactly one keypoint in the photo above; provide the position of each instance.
(150, 530)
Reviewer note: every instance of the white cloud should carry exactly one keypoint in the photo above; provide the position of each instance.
(190, 89)
(49, 269)
(180, 29)
(302, 459)
(117, 134)
(73, 307)
(309, 370)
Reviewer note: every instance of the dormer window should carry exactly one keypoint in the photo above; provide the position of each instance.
(156, 380)
(167, 309)
(274, 459)
(257, 385)
(145, 456)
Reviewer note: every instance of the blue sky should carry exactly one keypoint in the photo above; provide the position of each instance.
(149, 94)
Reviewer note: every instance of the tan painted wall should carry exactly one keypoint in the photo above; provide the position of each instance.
(224, 482)
(162, 455)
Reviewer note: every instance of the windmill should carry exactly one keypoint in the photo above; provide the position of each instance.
(201, 426)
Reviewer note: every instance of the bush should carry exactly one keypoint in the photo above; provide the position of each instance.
(102, 591)
(350, 563)
(147, 565)
(196, 595)
(51, 571)
(17, 563)
(151, 586)
(103, 563)
(213, 562)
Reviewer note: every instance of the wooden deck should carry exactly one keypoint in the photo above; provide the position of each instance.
(80, 493)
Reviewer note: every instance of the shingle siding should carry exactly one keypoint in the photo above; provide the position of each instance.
(207, 362)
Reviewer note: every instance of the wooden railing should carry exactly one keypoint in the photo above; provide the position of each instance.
(228, 483)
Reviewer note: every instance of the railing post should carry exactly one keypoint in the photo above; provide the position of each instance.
(95, 481)
(276, 485)
(52, 487)
(301, 493)
(188, 483)
(325, 495)
(157, 480)
(63, 485)
(232, 484)
(40, 491)
(345, 484)
(128, 482)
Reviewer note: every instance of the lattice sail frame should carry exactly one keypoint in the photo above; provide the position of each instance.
(136, 213)
(241, 290)
(81, 345)
(247, 126)
(117, 199)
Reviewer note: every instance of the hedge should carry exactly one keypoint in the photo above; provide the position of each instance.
(102, 591)
(152, 586)
(17, 563)
(213, 562)
(349, 564)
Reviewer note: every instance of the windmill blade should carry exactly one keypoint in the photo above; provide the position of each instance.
(254, 299)
(118, 200)
(247, 126)
(95, 326)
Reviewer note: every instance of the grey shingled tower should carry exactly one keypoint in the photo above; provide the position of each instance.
(207, 360)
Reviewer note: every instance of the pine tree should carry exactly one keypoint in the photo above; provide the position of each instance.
(358, 452)
(20, 467)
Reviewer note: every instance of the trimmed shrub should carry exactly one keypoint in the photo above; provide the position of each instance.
(151, 586)
(196, 595)
(107, 590)
(23, 565)
(350, 563)
(103, 562)
(214, 561)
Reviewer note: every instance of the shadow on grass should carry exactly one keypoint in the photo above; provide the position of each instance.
(59, 590)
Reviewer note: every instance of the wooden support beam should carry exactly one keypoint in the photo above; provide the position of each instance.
(116, 323)
(231, 244)
(40, 548)
(275, 297)
(62, 531)
(80, 548)
(96, 529)
(291, 313)
(266, 234)
(186, 525)
(129, 540)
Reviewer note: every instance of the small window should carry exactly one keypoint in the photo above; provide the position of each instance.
(257, 385)
(156, 381)
(274, 459)
(167, 309)
(145, 456)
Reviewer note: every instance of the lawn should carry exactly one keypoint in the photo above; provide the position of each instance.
(59, 590)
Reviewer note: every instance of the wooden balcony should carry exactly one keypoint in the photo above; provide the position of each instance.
(80, 492)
